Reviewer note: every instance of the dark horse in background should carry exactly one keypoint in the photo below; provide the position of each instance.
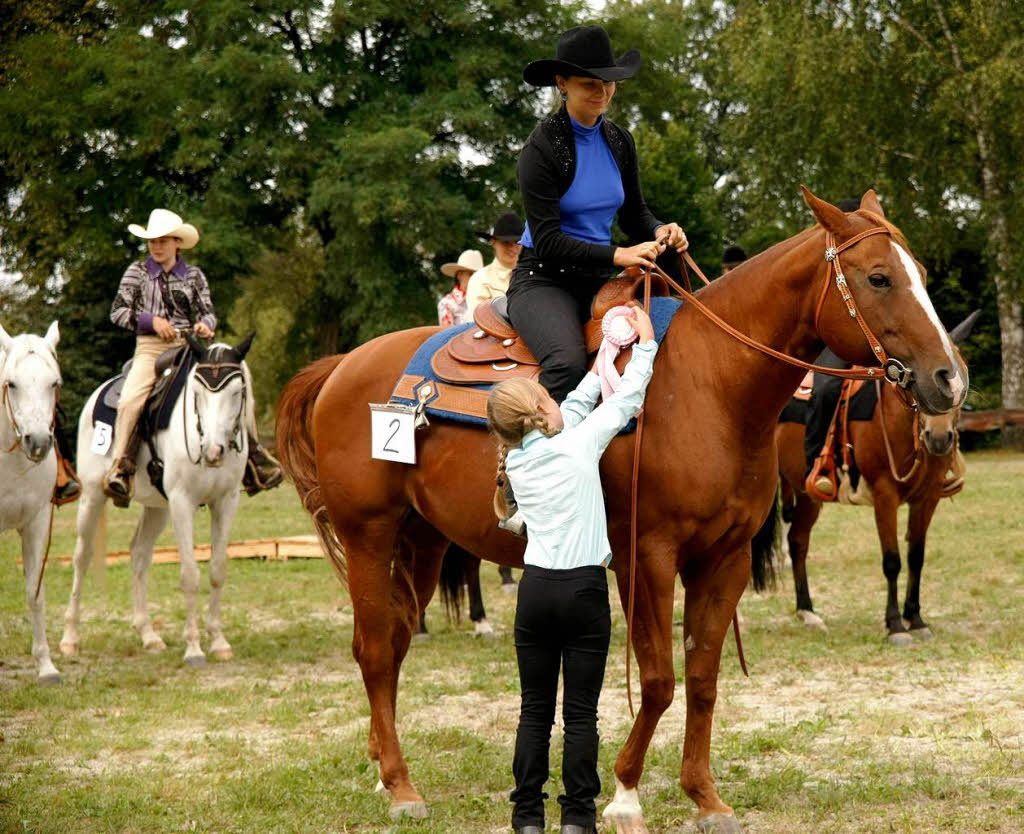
(925, 466)
(702, 494)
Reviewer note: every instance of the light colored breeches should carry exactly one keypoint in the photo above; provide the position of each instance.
(139, 383)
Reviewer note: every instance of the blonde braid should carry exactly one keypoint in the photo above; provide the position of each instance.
(501, 507)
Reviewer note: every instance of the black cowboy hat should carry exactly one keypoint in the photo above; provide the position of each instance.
(585, 51)
(508, 227)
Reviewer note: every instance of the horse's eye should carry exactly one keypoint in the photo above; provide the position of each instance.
(879, 280)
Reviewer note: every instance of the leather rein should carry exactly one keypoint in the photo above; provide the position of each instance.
(892, 371)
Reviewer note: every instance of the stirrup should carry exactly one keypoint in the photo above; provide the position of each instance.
(262, 471)
(118, 484)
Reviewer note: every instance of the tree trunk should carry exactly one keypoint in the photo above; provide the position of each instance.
(327, 335)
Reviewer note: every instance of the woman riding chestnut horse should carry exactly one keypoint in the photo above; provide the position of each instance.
(702, 495)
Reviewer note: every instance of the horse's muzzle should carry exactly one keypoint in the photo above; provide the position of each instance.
(36, 446)
(214, 455)
(939, 443)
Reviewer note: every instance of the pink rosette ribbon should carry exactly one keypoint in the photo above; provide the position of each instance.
(618, 332)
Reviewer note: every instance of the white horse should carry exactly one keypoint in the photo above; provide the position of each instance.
(30, 381)
(204, 450)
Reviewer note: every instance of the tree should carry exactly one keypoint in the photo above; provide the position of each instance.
(920, 99)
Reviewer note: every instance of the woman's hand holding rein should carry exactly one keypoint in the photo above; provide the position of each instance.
(642, 255)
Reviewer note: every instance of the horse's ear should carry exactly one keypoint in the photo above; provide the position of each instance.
(960, 333)
(193, 343)
(869, 202)
(5, 340)
(52, 336)
(829, 216)
(243, 346)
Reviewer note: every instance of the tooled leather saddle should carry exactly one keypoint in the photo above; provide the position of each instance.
(464, 367)
(494, 351)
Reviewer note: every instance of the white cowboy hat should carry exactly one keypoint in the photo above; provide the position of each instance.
(471, 259)
(164, 223)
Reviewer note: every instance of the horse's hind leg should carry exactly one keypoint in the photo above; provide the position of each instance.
(222, 513)
(805, 514)
(477, 612)
(385, 608)
(144, 539)
(711, 599)
(90, 508)
(33, 544)
(917, 529)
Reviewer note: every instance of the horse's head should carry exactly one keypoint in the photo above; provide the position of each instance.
(30, 380)
(888, 288)
(219, 388)
(938, 431)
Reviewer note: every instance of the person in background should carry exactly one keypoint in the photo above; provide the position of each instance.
(732, 257)
(492, 281)
(451, 308)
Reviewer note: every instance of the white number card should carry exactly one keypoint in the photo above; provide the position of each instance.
(102, 437)
(393, 429)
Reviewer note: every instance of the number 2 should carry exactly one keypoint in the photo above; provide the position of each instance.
(395, 424)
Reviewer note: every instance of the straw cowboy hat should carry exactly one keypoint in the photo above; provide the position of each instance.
(583, 51)
(471, 259)
(508, 228)
(164, 223)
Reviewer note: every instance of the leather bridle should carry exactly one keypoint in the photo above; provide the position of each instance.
(213, 376)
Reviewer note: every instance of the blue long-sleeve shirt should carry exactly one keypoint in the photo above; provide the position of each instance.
(589, 207)
(556, 479)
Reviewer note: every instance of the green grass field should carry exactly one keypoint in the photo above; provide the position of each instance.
(833, 732)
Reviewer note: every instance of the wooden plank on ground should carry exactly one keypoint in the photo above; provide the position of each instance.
(280, 549)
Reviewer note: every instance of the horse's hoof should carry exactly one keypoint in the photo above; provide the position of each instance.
(631, 826)
(50, 679)
(811, 620)
(421, 635)
(223, 654)
(380, 787)
(484, 629)
(196, 661)
(416, 810)
(509, 587)
(719, 824)
(69, 649)
(155, 646)
(902, 639)
(922, 633)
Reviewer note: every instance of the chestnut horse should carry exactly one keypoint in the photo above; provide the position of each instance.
(919, 473)
(703, 493)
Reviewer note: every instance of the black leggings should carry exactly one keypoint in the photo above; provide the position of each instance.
(562, 619)
(824, 399)
(548, 310)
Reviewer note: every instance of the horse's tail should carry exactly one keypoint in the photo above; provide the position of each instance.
(453, 582)
(765, 547)
(297, 452)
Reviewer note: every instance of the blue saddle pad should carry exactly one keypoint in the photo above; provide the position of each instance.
(662, 311)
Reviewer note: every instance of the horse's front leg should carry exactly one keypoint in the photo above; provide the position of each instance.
(711, 598)
(90, 512)
(652, 641)
(182, 513)
(805, 514)
(150, 524)
(917, 529)
(222, 514)
(886, 505)
(33, 543)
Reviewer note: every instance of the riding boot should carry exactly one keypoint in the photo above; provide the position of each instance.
(572, 828)
(514, 523)
(529, 829)
(262, 471)
(119, 482)
(68, 487)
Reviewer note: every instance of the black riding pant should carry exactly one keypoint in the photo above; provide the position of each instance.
(562, 619)
(548, 305)
(824, 399)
